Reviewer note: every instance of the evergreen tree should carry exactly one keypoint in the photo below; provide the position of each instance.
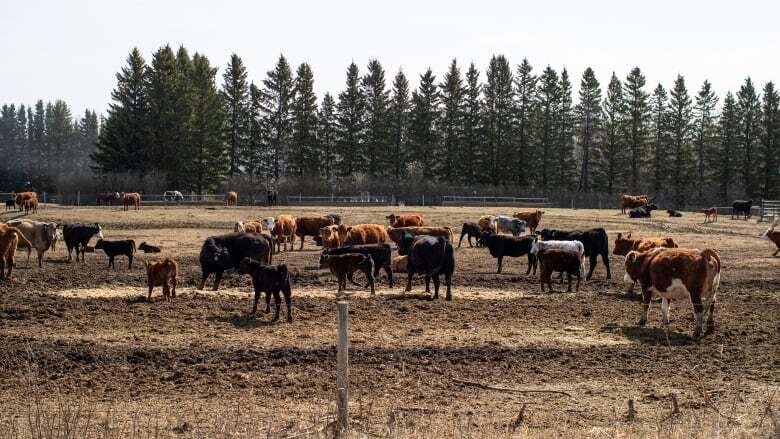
(770, 142)
(164, 109)
(609, 160)
(680, 133)
(38, 138)
(8, 135)
(424, 122)
(327, 137)
(452, 101)
(88, 130)
(351, 122)
(126, 129)
(235, 96)
(376, 135)
(257, 156)
(499, 123)
(471, 157)
(564, 150)
(548, 103)
(749, 110)
(726, 166)
(658, 106)
(303, 153)
(208, 164)
(637, 124)
(525, 158)
(589, 124)
(22, 150)
(60, 136)
(399, 124)
(705, 133)
(275, 104)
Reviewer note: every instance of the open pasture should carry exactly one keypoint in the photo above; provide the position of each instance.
(201, 365)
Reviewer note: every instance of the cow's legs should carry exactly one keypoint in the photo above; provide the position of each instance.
(110, 261)
(370, 281)
(646, 297)
(462, 234)
(427, 284)
(593, 259)
(665, 305)
(302, 238)
(277, 303)
(389, 271)
(448, 282)
(568, 277)
(204, 277)
(605, 258)
(698, 313)
(40, 258)
(530, 264)
(500, 260)
(287, 301)
(577, 288)
(217, 280)
(149, 296)
(130, 262)
(776, 252)
(409, 280)
(436, 286)
(711, 317)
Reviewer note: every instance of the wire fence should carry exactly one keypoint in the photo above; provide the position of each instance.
(458, 200)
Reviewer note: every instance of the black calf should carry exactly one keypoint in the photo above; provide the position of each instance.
(271, 279)
(117, 248)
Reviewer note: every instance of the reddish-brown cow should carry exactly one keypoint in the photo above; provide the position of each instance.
(163, 273)
(361, 234)
(405, 220)
(531, 218)
(131, 199)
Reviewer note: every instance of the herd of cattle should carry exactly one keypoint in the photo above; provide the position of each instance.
(659, 265)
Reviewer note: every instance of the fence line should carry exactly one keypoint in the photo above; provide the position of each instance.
(458, 200)
(769, 209)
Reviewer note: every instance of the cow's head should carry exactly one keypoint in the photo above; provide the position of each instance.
(99, 231)
(248, 266)
(343, 231)
(329, 234)
(547, 234)
(405, 243)
(324, 259)
(50, 231)
(238, 227)
(391, 218)
(484, 237)
(633, 267)
(99, 244)
(623, 245)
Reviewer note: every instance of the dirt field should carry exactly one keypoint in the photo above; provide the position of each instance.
(81, 342)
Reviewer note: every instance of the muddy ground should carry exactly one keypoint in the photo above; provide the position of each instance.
(86, 333)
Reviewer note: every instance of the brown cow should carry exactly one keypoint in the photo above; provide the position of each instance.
(397, 233)
(487, 223)
(163, 273)
(361, 234)
(311, 225)
(131, 199)
(400, 264)
(232, 198)
(632, 201)
(330, 236)
(405, 220)
(710, 215)
(10, 238)
(677, 274)
(107, 198)
(251, 226)
(284, 231)
(773, 235)
(531, 218)
(560, 260)
(21, 197)
(623, 245)
(343, 266)
(30, 205)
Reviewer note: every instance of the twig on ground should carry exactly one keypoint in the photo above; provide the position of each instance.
(509, 389)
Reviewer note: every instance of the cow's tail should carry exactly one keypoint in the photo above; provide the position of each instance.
(132, 245)
(708, 254)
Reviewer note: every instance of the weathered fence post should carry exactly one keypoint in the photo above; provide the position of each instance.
(78, 198)
(342, 364)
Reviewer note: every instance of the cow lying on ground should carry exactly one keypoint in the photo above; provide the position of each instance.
(284, 232)
(269, 279)
(773, 235)
(310, 226)
(673, 213)
(146, 248)
(41, 235)
(642, 211)
(361, 234)
(163, 273)
(400, 264)
(741, 207)
(564, 261)
(380, 254)
(505, 224)
(677, 274)
(343, 266)
(710, 215)
(10, 238)
(77, 236)
(113, 249)
(531, 218)
(501, 246)
(632, 201)
(430, 256)
(396, 234)
(595, 242)
(471, 230)
(224, 252)
(405, 220)
(487, 223)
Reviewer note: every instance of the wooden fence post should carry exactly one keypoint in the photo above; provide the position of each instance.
(342, 364)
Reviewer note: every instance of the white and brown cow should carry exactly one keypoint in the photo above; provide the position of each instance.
(677, 274)
(773, 235)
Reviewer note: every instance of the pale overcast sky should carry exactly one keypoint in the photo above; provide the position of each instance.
(72, 49)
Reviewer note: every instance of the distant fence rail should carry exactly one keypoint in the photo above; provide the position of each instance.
(769, 209)
(455, 200)
(364, 199)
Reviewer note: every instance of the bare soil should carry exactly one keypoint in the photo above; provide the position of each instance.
(87, 333)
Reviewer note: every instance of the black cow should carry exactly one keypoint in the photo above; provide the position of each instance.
(511, 246)
(271, 279)
(117, 248)
(147, 248)
(429, 256)
(741, 207)
(673, 213)
(225, 252)
(595, 242)
(472, 230)
(381, 254)
(10, 204)
(77, 236)
(642, 211)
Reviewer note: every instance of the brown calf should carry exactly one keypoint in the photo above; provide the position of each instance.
(623, 245)
(131, 199)
(531, 218)
(400, 264)
(10, 238)
(710, 215)
(564, 261)
(232, 198)
(397, 233)
(773, 235)
(330, 236)
(361, 234)
(284, 232)
(405, 220)
(487, 223)
(343, 266)
(163, 273)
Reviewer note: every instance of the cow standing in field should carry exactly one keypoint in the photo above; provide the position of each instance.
(531, 218)
(362, 234)
(773, 235)
(10, 204)
(471, 230)
(20, 198)
(107, 198)
(632, 202)
(564, 261)
(284, 231)
(113, 249)
(269, 279)
(10, 238)
(310, 226)
(710, 215)
(224, 252)
(595, 242)
(131, 199)
(343, 266)
(677, 274)
(380, 254)
(77, 236)
(41, 235)
(501, 246)
(163, 273)
(396, 234)
(514, 226)
(405, 220)
(430, 256)
(231, 198)
(741, 207)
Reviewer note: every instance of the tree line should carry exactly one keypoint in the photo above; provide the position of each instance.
(509, 126)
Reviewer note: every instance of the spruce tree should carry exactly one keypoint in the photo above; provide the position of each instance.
(471, 158)
(548, 102)
(22, 150)
(423, 135)
(637, 125)
(235, 96)
(705, 133)
(749, 110)
(609, 161)
(327, 137)
(303, 156)
(208, 165)
(376, 134)
(680, 135)
(177, 170)
(589, 124)
(399, 124)
(499, 123)
(163, 111)
(525, 159)
(257, 155)
(8, 135)
(769, 153)
(38, 138)
(564, 149)
(275, 103)
(452, 114)
(658, 105)
(728, 130)
(351, 122)
(60, 136)
(88, 130)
